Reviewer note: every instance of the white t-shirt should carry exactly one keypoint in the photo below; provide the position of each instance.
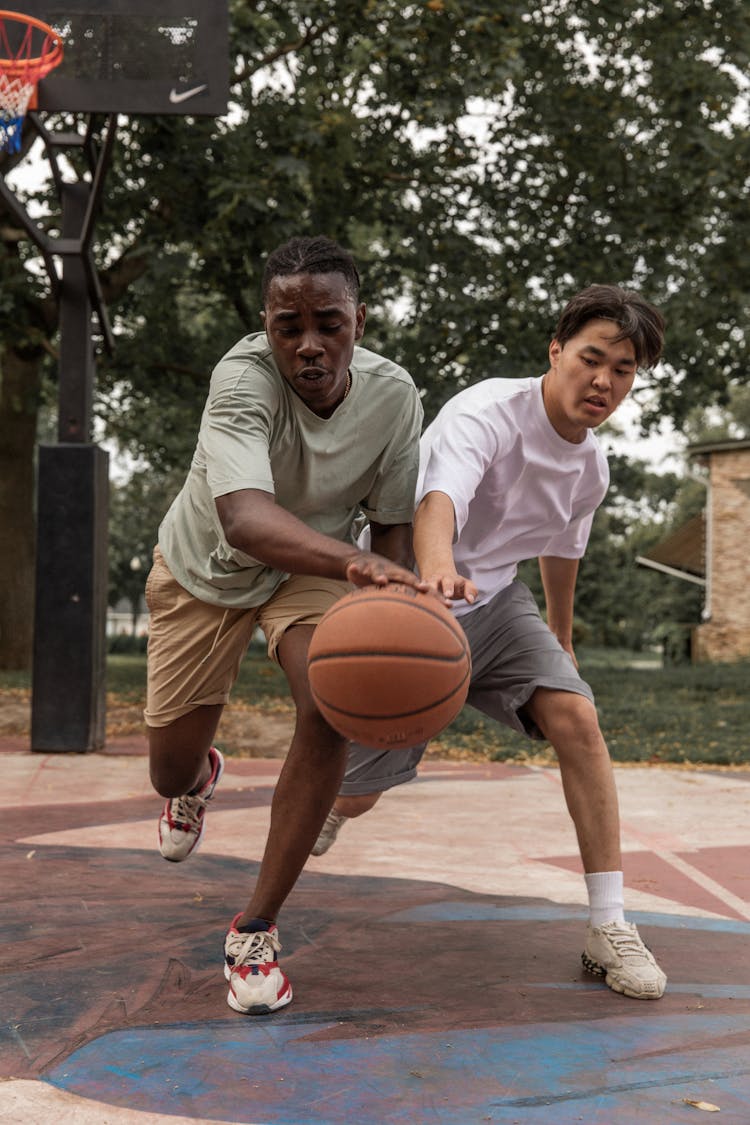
(520, 491)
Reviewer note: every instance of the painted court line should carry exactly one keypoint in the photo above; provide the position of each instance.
(740, 906)
(716, 889)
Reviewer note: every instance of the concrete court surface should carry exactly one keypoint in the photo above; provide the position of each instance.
(434, 954)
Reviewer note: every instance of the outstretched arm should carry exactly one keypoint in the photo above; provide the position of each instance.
(255, 524)
(434, 524)
(559, 581)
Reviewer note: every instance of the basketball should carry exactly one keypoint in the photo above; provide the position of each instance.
(389, 667)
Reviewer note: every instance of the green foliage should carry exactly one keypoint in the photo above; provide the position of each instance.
(648, 713)
(693, 713)
(126, 676)
(483, 159)
(696, 715)
(706, 425)
(135, 512)
(675, 642)
(260, 684)
(126, 643)
(619, 603)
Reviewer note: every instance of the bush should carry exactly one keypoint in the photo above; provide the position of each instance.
(675, 641)
(125, 643)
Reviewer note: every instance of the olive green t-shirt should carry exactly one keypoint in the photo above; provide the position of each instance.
(257, 433)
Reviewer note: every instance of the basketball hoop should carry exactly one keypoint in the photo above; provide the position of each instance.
(29, 50)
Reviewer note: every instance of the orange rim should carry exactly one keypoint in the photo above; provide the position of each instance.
(42, 64)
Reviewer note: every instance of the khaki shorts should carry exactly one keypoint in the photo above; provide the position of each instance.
(195, 649)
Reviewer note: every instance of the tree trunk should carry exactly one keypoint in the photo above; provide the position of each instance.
(19, 398)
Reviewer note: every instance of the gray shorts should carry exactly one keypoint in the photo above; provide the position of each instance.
(513, 653)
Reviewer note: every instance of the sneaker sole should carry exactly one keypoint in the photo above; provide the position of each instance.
(592, 966)
(598, 970)
(258, 1009)
(219, 772)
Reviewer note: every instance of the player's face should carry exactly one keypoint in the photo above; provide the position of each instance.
(312, 324)
(588, 378)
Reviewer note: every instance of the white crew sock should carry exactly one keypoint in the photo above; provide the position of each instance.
(606, 898)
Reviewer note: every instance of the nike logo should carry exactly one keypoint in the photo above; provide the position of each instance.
(175, 97)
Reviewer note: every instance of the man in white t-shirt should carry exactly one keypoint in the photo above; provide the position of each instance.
(302, 433)
(511, 470)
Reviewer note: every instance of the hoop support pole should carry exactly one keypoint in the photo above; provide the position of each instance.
(81, 245)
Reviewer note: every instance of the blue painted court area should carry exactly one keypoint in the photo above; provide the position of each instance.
(631, 1063)
(434, 953)
(289, 1071)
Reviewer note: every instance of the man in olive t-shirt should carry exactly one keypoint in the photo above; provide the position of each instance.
(302, 436)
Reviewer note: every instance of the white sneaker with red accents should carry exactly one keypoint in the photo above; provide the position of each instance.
(257, 985)
(182, 822)
(616, 952)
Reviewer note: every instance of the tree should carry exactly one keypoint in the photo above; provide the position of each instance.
(136, 509)
(482, 159)
(732, 423)
(619, 603)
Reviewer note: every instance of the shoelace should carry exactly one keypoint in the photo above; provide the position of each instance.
(186, 811)
(625, 941)
(252, 949)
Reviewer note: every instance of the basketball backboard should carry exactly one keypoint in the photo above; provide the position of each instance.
(136, 56)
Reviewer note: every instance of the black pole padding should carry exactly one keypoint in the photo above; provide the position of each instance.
(69, 671)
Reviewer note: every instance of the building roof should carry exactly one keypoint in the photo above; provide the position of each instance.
(718, 447)
(681, 554)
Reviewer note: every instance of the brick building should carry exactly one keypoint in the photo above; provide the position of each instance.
(725, 633)
(713, 550)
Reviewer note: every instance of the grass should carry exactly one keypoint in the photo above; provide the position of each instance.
(680, 714)
(14, 681)
(260, 683)
(698, 714)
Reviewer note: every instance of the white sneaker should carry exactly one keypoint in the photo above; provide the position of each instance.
(616, 952)
(257, 984)
(328, 833)
(182, 822)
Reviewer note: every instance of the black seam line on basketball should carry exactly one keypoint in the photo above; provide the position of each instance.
(354, 656)
(381, 598)
(400, 715)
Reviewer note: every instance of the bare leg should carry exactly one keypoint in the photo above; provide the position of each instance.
(613, 949)
(306, 789)
(570, 723)
(178, 753)
(357, 804)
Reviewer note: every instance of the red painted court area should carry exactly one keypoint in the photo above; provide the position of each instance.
(434, 953)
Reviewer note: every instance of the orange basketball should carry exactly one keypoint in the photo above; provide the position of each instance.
(389, 667)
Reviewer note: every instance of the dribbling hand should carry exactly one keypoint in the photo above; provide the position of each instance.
(368, 569)
(453, 586)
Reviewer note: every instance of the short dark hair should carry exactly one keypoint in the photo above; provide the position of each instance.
(311, 255)
(638, 320)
